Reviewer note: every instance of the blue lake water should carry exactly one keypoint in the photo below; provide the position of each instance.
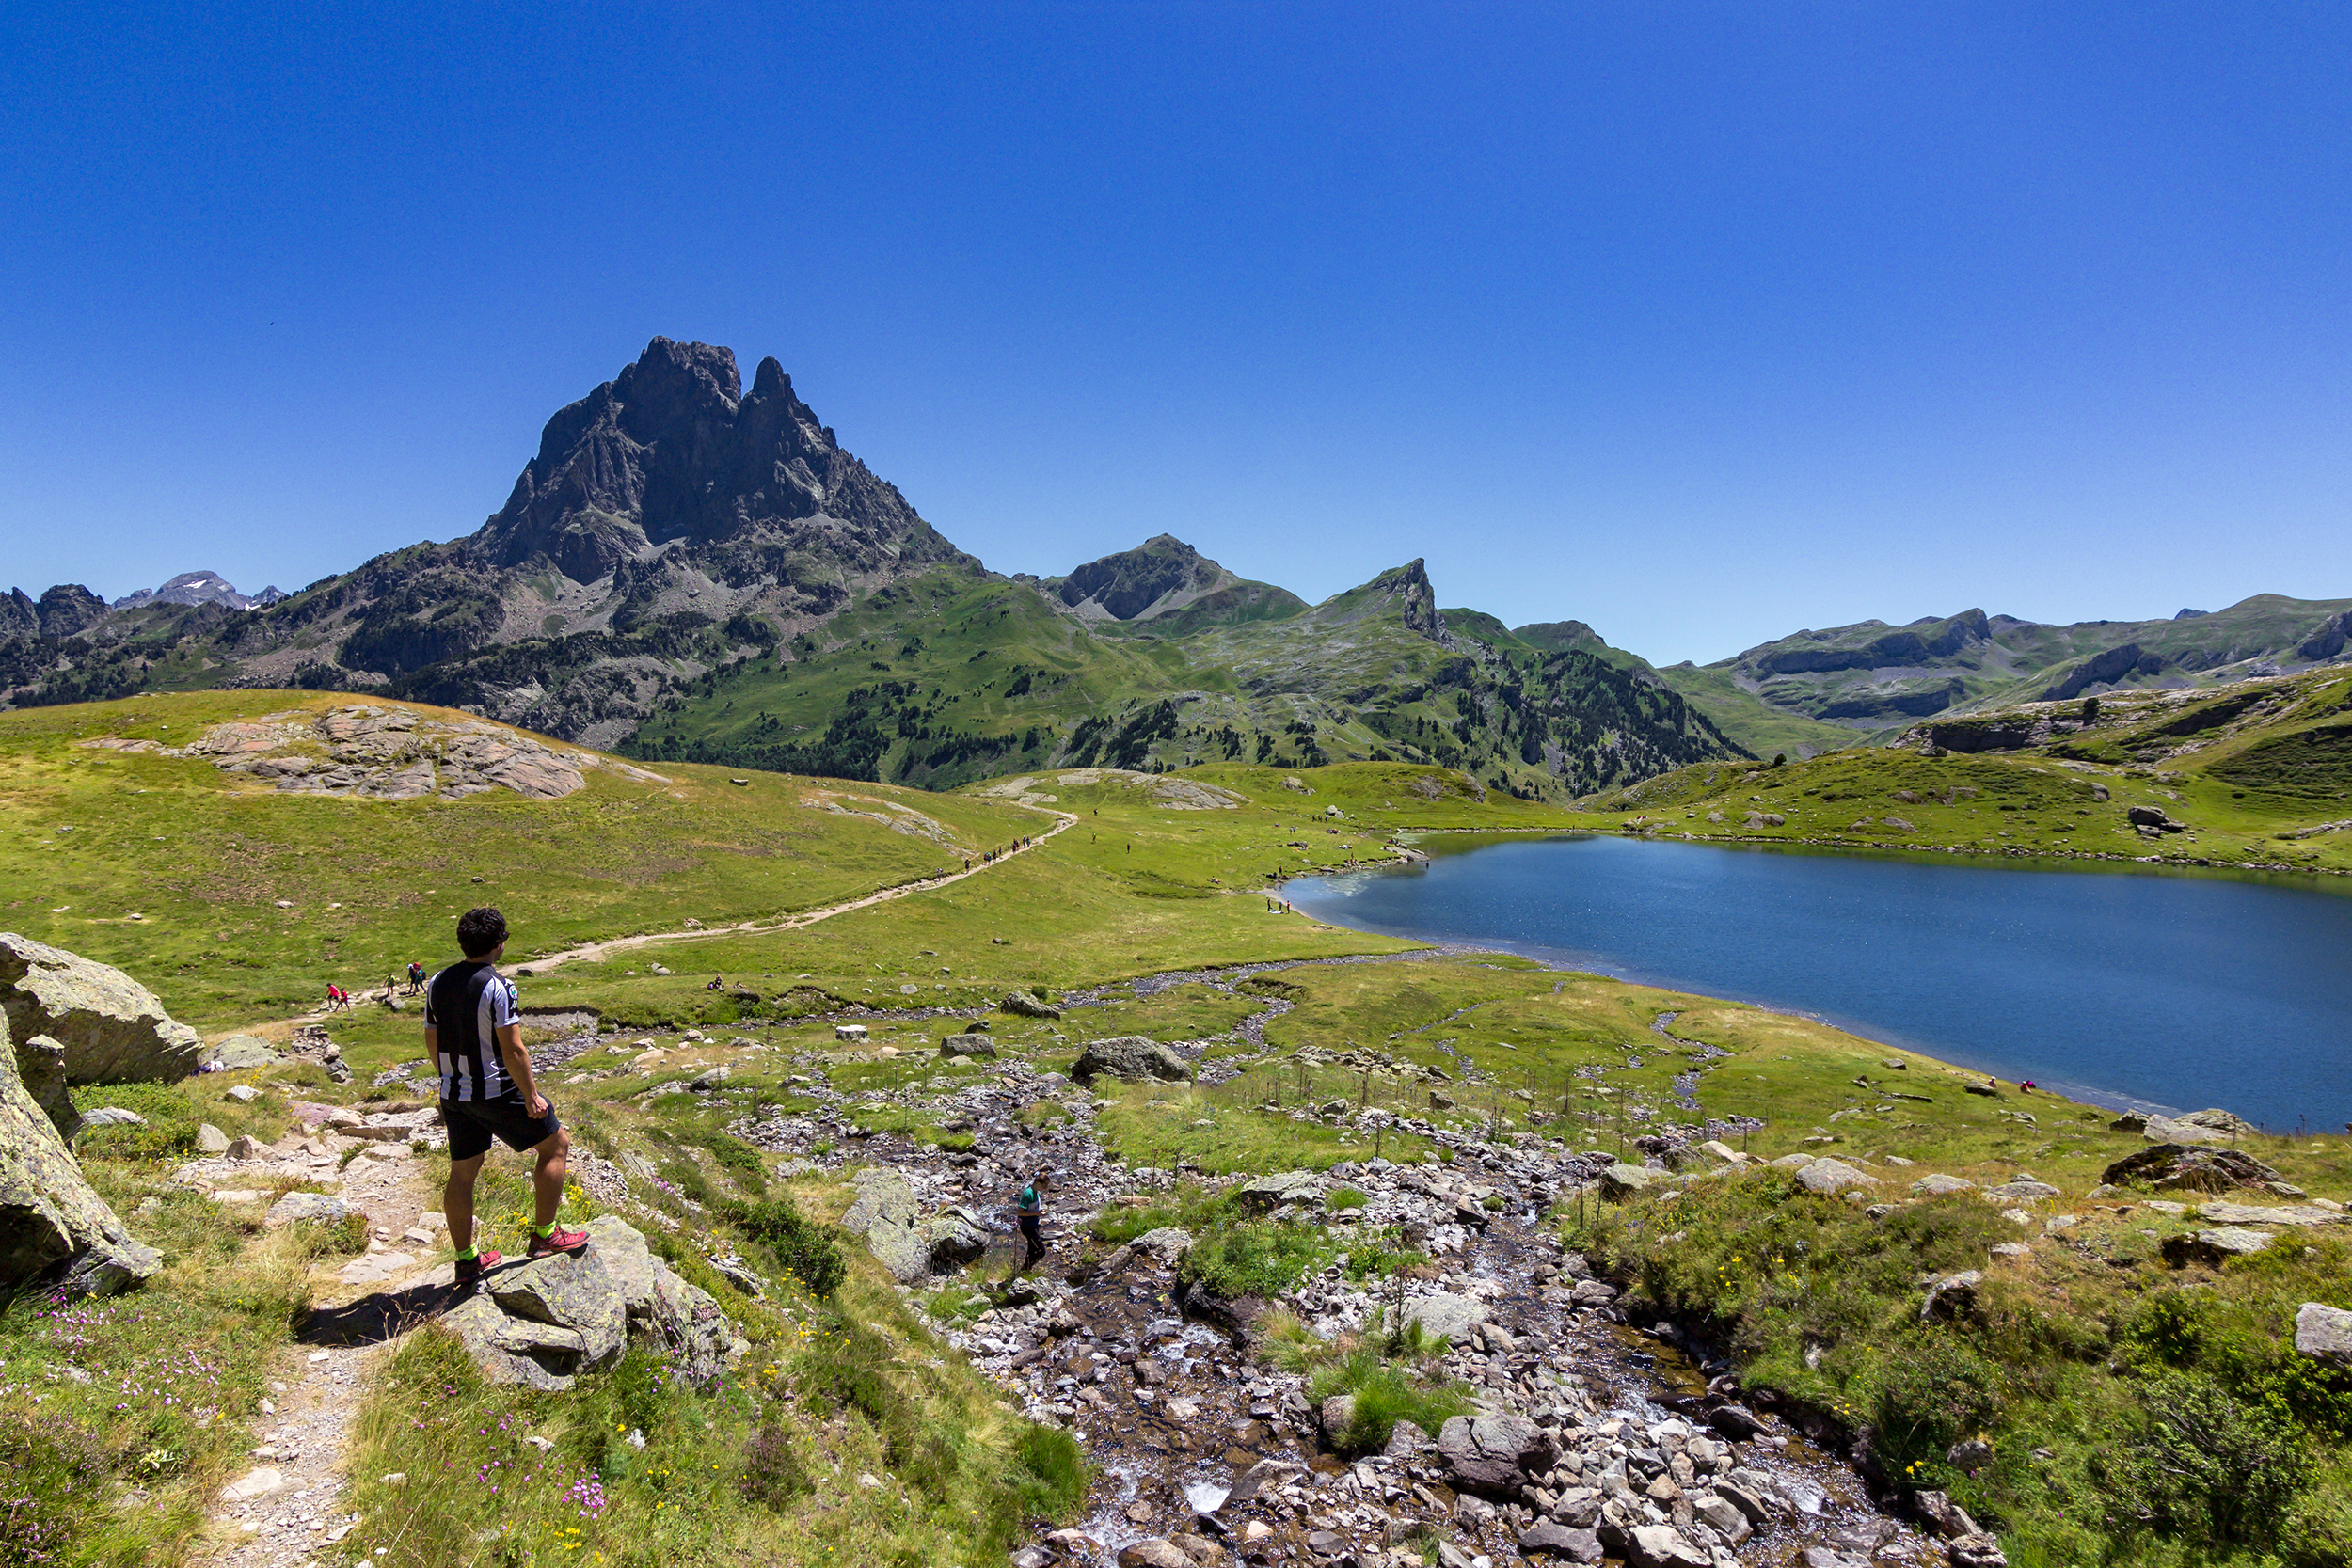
(2130, 987)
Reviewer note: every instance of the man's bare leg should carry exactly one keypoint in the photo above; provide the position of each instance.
(547, 1179)
(458, 1201)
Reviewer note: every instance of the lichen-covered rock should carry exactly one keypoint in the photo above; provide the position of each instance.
(238, 1054)
(1454, 1317)
(545, 1322)
(979, 1046)
(315, 1208)
(53, 1226)
(1621, 1182)
(2324, 1331)
(957, 1238)
(1022, 1005)
(1833, 1177)
(886, 1212)
(40, 1067)
(113, 1028)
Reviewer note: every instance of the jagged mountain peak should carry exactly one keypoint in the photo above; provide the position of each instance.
(672, 449)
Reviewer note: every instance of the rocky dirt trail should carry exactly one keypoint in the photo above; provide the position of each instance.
(1592, 1435)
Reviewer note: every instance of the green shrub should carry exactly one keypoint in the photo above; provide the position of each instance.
(1253, 1258)
(1385, 1393)
(2205, 1468)
(1345, 1197)
(345, 1238)
(740, 1160)
(808, 1251)
(1932, 1390)
(2318, 1529)
(170, 1130)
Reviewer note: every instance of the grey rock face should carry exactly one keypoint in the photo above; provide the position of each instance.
(53, 1226)
(1133, 1057)
(40, 1067)
(1575, 1546)
(2214, 1246)
(978, 1046)
(113, 1028)
(1940, 1185)
(1621, 1182)
(1493, 1455)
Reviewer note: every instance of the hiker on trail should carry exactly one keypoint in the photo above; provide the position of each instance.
(1031, 1210)
(473, 1034)
(416, 977)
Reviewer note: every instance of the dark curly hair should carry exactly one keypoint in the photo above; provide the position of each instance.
(481, 931)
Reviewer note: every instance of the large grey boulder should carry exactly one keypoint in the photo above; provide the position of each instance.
(1133, 1057)
(886, 1212)
(40, 1067)
(1494, 1454)
(2324, 1331)
(239, 1053)
(53, 1226)
(1264, 1194)
(2216, 1246)
(1454, 1317)
(1621, 1182)
(957, 1237)
(1022, 1005)
(545, 1322)
(1833, 1177)
(113, 1028)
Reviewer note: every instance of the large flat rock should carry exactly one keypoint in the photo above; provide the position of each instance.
(54, 1228)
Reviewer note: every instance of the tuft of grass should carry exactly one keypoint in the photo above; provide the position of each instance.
(1386, 1392)
(1254, 1257)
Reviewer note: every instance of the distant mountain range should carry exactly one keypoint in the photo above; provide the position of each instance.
(686, 569)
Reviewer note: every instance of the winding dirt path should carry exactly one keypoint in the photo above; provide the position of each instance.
(597, 951)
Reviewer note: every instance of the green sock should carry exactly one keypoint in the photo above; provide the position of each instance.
(470, 1255)
(542, 1232)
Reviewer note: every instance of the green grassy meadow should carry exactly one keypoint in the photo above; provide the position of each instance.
(2081, 1343)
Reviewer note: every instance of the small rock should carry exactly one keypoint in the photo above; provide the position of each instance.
(1952, 1298)
(211, 1140)
(253, 1484)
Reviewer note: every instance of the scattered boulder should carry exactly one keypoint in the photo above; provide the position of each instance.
(976, 1046)
(113, 1115)
(1833, 1177)
(1953, 1297)
(2324, 1331)
(1662, 1546)
(1022, 1005)
(1133, 1057)
(2181, 1167)
(1454, 1317)
(237, 1053)
(1576, 1545)
(113, 1028)
(547, 1321)
(2023, 1189)
(1494, 1454)
(1266, 1194)
(1940, 1185)
(957, 1237)
(2164, 1129)
(211, 1140)
(2152, 817)
(2214, 1246)
(53, 1226)
(2246, 1213)
(307, 1208)
(1621, 1182)
(1166, 1245)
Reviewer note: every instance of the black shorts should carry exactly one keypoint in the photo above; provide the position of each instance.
(472, 1123)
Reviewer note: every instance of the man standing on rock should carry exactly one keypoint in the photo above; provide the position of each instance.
(473, 1034)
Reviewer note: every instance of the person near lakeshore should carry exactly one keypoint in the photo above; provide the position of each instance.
(1031, 1210)
(473, 1034)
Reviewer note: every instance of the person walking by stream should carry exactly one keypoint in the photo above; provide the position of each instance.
(1030, 1208)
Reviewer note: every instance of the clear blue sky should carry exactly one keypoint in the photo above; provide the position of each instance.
(1700, 322)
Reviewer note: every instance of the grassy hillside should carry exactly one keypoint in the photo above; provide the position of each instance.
(941, 680)
(1754, 723)
(229, 898)
(2257, 774)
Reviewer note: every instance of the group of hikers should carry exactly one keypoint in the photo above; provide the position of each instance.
(339, 1000)
(489, 1095)
(988, 856)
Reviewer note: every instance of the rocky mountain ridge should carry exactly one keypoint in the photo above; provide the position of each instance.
(679, 547)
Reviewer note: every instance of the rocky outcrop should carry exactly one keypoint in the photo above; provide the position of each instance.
(1022, 1005)
(70, 608)
(112, 1029)
(1133, 1057)
(376, 751)
(2325, 1332)
(54, 1230)
(2183, 1168)
(547, 1321)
